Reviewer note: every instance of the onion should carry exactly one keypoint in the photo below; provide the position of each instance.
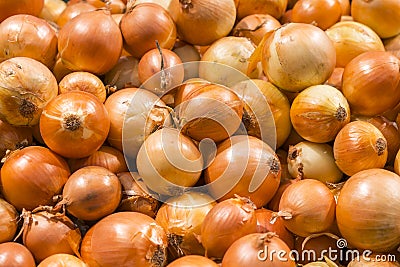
(319, 112)
(145, 24)
(62, 260)
(52, 10)
(351, 39)
(83, 81)
(359, 146)
(74, 124)
(254, 250)
(115, 6)
(193, 261)
(172, 6)
(274, 203)
(371, 83)
(59, 70)
(16, 255)
(275, 8)
(30, 7)
(13, 138)
(336, 78)
(225, 223)
(8, 221)
(297, 56)
(135, 196)
(186, 52)
(91, 193)
(182, 218)
(32, 176)
(392, 45)
(371, 13)
(286, 17)
(132, 239)
(73, 10)
(124, 74)
(366, 211)
(307, 207)
(168, 159)
(255, 26)
(26, 86)
(209, 19)
(85, 31)
(302, 159)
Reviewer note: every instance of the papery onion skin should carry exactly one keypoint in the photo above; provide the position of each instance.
(193, 261)
(13, 138)
(132, 239)
(359, 146)
(32, 176)
(275, 8)
(9, 8)
(52, 10)
(73, 10)
(366, 210)
(59, 260)
(8, 221)
(26, 86)
(16, 255)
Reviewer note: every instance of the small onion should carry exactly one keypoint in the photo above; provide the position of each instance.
(52, 9)
(83, 81)
(124, 74)
(297, 56)
(125, 239)
(73, 10)
(367, 210)
(302, 160)
(13, 138)
(9, 8)
(26, 86)
(359, 146)
(193, 261)
(225, 223)
(319, 112)
(8, 221)
(275, 8)
(307, 207)
(60, 260)
(32, 176)
(15, 255)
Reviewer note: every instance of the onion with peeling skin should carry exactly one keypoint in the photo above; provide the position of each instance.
(8, 221)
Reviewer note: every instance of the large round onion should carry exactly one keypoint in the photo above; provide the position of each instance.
(15, 255)
(125, 239)
(26, 86)
(9, 8)
(298, 55)
(367, 212)
(8, 221)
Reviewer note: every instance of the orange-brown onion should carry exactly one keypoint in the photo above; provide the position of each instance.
(186, 52)
(147, 114)
(255, 26)
(249, 161)
(73, 10)
(367, 210)
(61, 259)
(83, 81)
(28, 36)
(172, 6)
(319, 112)
(13, 138)
(135, 196)
(125, 239)
(251, 250)
(307, 207)
(16, 255)
(9, 8)
(91, 193)
(124, 74)
(145, 24)
(32, 176)
(226, 222)
(321, 13)
(392, 45)
(74, 124)
(371, 83)
(52, 9)
(182, 218)
(274, 203)
(298, 55)
(45, 234)
(257, 109)
(286, 17)
(26, 86)
(8, 221)
(59, 70)
(183, 91)
(359, 146)
(77, 39)
(336, 78)
(264, 225)
(168, 159)
(351, 39)
(193, 261)
(209, 19)
(371, 13)
(275, 8)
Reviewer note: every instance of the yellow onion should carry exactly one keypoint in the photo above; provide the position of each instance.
(9, 8)
(392, 45)
(359, 146)
(225, 223)
(182, 218)
(115, 6)
(8, 221)
(124, 74)
(77, 39)
(367, 210)
(193, 261)
(16, 255)
(59, 260)
(52, 10)
(371, 13)
(302, 159)
(59, 70)
(371, 83)
(319, 112)
(172, 6)
(73, 10)
(13, 138)
(336, 78)
(26, 86)
(209, 19)
(297, 56)
(351, 39)
(275, 8)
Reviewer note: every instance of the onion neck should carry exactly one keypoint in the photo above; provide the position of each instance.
(72, 122)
